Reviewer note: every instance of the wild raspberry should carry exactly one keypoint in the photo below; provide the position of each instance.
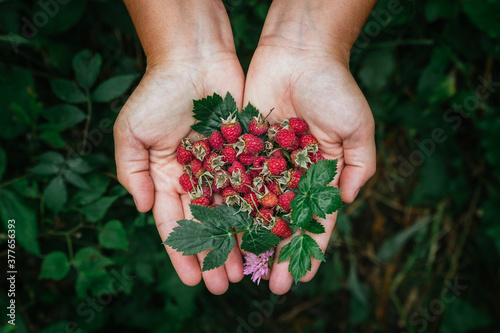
(278, 153)
(258, 184)
(266, 214)
(207, 192)
(269, 200)
(307, 140)
(252, 200)
(276, 165)
(274, 187)
(187, 182)
(281, 228)
(213, 162)
(298, 125)
(184, 156)
(285, 200)
(246, 159)
(285, 137)
(315, 157)
(258, 125)
(229, 153)
(221, 181)
(231, 129)
(273, 130)
(197, 168)
(201, 149)
(201, 201)
(235, 167)
(250, 144)
(216, 140)
(295, 144)
(300, 158)
(241, 182)
(230, 196)
(295, 176)
(258, 166)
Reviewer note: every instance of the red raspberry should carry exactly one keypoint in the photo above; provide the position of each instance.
(184, 156)
(213, 162)
(221, 181)
(241, 182)
(258, 125)
(197, 168)
(316, 157)
(201, 201)
(269, 200)
(236, 166)
(285, 200)
(201, 149)
(300, 158)
(276, 165)
(187, 182)
(216, 140)
(258, 166)
(307, 139)
(229, 154)
(278, 153)
(251, 144)
(207, 191)
(267, 214)
(252, 200)
(274, 187)
(295, 176)
(230, 196)
(295, 145)
(231, 129)
(285, 137)
(298, 125)
(246, 159)
(273, 130)
(281, 228)
(258, 183)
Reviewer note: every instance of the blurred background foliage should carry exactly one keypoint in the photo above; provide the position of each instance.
(418, 251)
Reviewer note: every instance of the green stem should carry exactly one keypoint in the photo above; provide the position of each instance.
(87, 122)
(9, 182)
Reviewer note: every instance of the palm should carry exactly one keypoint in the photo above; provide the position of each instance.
(321, 91)
(150, 126)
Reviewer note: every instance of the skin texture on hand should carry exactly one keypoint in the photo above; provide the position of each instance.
(158, 115)
(311, 82)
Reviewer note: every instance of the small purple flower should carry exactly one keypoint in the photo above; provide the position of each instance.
(257, 265)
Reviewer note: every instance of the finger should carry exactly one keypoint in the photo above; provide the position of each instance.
(167, 211)
(132, 166)
(216, 279)
(360, 162)
(280, 279)
(234, 265)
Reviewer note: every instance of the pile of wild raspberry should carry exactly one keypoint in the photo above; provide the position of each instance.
(258, 171)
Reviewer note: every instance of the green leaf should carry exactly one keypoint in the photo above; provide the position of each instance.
(302, 210)
(3, 162)
(55, 194)
(75, 179)
(51, 157)
(98, 184)
(315, 227)
(259, 240)
(392, 245)
(325, 200)
(55, 266)
(67, 91)
(50, 163)
(246, 115)
(210, 110)
(299, 251)
(52, 138)
(319, 174)
(234, 217)
(67, 15)
(91, 266)
(45, 169)
(113, 236)
(86, 68)
(13, 208)
(113, 88)
(461, 316)
(96, 210)
(485, 15)
(215, 233)
(64, 115)
(377, 68)
(78, 165)
(359, 307)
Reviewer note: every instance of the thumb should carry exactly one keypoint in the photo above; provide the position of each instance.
(359, 162)
(132, 166)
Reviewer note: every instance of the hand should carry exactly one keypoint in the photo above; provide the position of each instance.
(316, 86)
(156, 117)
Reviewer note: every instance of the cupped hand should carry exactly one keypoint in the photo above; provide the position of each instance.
(150, 126)
(316, 86)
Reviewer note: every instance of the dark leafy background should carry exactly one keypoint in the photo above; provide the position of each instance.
(426, 221)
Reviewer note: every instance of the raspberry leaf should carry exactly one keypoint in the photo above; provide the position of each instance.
(299, 251)
(246, 115)
(319, 174)
(210, 110)
(302, 211)
(325, 200)
(259, 240)
(315, 227)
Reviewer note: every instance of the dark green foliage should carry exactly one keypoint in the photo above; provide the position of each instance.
(418, 251)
